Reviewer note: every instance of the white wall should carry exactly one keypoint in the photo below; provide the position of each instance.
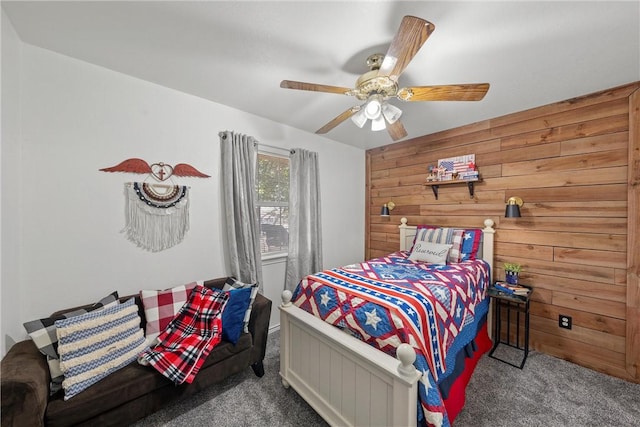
(10, 183)
(78, 118)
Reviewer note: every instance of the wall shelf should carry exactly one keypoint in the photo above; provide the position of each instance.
(436, 184)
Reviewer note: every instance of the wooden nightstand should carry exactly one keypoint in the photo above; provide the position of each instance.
(512, 306)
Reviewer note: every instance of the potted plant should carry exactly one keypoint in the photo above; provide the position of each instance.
(512, 272)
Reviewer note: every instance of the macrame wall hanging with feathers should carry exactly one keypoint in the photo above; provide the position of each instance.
(156, 213)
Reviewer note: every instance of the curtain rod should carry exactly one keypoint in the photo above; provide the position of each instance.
(274, 147)
(256, 143)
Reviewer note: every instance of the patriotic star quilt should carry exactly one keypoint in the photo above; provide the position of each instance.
(392, 300)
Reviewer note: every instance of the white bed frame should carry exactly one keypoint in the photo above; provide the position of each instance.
(346, 381)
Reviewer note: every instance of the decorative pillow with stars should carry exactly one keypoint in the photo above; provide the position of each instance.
(470, 244)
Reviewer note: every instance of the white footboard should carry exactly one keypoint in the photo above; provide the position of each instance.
(348, 382)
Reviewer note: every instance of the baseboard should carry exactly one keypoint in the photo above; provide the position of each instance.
(274, 328)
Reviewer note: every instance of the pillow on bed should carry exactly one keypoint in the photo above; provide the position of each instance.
(421, 231)
(470, 244)
(433, 253)
(442, 235)
(160, 307)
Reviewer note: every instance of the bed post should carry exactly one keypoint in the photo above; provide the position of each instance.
(487, 246)
(284, 336)
(407, 233)
(487, 254)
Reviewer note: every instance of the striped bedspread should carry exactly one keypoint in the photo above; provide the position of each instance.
(392, 300)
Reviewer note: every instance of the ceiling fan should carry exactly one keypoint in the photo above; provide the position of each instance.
(376, 86)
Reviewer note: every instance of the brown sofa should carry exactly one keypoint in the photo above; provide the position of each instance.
(128, 394)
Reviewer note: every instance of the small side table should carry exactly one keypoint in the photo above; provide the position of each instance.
(514, 306)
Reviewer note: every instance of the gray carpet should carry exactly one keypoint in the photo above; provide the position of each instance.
(242, 400)
(548, 392)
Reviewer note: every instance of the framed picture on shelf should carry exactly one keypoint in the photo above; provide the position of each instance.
(457, 168)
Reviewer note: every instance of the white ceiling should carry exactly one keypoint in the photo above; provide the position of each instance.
(237, 52)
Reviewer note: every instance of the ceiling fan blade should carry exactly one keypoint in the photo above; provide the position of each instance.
(396, 130)
(339, 119)
(290, 84)
(411, 35)
(462, 92)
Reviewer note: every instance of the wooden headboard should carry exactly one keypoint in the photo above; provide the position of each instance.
(408, 232)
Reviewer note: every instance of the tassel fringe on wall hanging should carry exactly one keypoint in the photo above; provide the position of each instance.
(156, 215)
(156, 220)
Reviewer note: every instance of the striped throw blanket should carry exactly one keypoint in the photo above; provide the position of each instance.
(189, 338)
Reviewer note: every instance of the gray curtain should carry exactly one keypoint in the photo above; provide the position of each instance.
(238, 188)
(305, 233)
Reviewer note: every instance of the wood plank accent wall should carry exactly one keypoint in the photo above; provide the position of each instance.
(576, 164)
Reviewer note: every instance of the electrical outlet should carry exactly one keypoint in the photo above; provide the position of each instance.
(564, 321)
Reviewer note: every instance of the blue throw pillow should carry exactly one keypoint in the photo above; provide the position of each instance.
(231, 284)
(233, 314)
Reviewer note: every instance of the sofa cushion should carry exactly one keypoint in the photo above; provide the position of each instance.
(96, 344)
(161, 306)
(124, 385)
(43, 333)
(232, 283)
(135, 380)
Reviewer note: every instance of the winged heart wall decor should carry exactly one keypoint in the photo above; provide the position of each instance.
(160, 171)
(156, 215)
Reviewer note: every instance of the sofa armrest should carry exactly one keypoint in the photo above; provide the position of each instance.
(259, 327)
(24, 385)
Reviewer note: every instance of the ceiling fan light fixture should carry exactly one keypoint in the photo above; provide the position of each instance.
(373, 108)
(378, 123)
(380, 83)
(391, 112)
(359, 118)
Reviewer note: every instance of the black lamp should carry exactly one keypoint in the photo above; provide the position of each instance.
(513, 207)
(387, 208)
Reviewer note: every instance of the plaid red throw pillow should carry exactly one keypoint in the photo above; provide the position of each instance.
(160, 307)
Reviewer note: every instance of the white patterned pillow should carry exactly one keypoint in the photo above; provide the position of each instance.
(96, 344)
(43, 334)
(232, 283)
(433, 253)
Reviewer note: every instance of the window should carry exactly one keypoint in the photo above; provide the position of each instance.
(272, 184)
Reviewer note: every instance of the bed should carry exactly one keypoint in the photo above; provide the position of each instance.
(391, 341)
